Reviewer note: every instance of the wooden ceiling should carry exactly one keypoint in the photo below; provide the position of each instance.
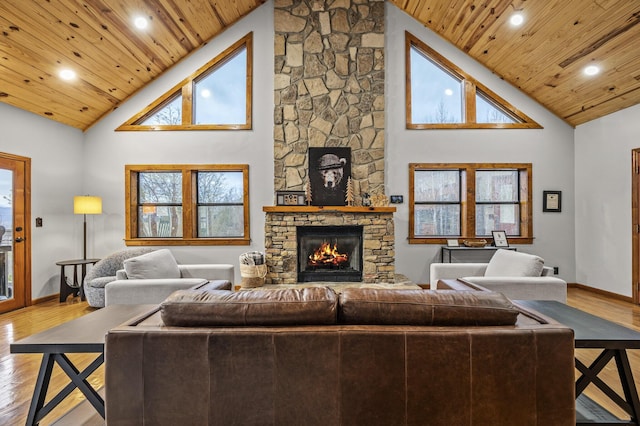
(544, 57)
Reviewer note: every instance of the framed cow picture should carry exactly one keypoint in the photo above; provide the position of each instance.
(329, 170)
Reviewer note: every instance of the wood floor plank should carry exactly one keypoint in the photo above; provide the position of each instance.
(18, 372)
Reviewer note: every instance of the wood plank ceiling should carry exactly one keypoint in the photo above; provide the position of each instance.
(544, 57)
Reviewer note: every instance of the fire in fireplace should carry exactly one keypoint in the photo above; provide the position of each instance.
(329, 253)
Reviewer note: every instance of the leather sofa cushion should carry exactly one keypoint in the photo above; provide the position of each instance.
(423, 307)
(256, 307)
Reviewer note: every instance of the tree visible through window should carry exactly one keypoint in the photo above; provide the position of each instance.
(182, 204)
(442, 96)
(220, 204)
(171, 113)
(159, 204)
(469, 201)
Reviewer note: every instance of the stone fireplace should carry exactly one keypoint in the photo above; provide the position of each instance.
(329, 93)
(281, 235)
(329, 253)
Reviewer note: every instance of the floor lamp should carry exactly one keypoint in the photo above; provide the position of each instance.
(84, 205)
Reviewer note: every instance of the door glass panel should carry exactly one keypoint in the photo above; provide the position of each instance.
(6, 234)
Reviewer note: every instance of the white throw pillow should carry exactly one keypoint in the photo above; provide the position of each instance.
(508, 263)
(157, 264)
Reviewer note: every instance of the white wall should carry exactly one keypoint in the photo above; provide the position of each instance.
(56, 176)
(67, 163)
(107, 151)
(550, 150)
(603, 200)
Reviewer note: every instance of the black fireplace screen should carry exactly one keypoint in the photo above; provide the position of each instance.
(329, 253)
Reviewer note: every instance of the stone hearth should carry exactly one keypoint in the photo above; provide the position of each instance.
(281, 241)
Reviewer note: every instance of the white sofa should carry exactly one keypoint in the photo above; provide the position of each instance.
(519, 276)
(152, 277)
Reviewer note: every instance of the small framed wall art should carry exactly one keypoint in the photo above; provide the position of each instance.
(552, 201)
(290, 198)
(500, 239)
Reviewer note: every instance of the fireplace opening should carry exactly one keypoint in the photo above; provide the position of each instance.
(329, 253)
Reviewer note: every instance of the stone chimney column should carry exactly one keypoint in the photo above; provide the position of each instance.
(329, 87)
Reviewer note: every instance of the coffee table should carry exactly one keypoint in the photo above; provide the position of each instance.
(592, 332)
(81, 335)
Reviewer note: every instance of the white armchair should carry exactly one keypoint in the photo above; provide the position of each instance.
(516, 275)
(151, 278)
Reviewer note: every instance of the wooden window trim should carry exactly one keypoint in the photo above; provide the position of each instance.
(189, 200)
(185, 88)
(467, 201)
(471, 87)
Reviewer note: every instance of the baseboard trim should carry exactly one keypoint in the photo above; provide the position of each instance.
(45, 298)
(602, 292)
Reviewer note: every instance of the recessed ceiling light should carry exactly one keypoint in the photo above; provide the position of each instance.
(141, 22)
(516, 19)
(67, 74)
(591, 70)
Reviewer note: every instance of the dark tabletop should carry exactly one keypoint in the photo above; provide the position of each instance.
(76, 262)
(84, 334)
(590, 331)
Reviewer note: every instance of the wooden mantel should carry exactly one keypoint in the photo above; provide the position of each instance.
(326, 209)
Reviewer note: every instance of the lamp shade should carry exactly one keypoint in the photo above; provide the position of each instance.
(85, 204)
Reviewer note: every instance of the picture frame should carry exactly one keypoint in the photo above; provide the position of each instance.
(329, 172)
(500, 239)
(453, 243)
(290, 198)
(552, 201)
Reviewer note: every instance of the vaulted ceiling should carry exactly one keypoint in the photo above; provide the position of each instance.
(544, 57)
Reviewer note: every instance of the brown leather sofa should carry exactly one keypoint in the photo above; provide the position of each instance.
(363, 357)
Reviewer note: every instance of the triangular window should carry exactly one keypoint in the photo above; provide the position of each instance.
(489, 112)
(170, 113)
(219, 96)
(435, 92)
(442, 96)
(215, 97)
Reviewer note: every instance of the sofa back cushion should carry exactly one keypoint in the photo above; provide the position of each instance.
(507, 263)
(157, 264)
(425, 307)
(293, 306)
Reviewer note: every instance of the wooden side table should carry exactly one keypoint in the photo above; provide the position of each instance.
(75, 288)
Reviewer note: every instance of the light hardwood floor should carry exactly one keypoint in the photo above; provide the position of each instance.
(18, 371)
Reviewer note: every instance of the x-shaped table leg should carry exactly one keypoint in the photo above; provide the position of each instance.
(39, 410)
(631, 403)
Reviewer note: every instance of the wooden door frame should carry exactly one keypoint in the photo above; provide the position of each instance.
(26, 215)
(635, 225)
